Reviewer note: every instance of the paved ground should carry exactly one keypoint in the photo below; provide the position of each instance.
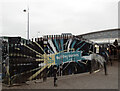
(0, 86)
(78, 81)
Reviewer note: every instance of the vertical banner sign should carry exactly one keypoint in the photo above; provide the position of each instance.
(45, 42)
(45, 57)
(97, 49)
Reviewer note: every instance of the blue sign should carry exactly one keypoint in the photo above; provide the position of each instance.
(67, 57)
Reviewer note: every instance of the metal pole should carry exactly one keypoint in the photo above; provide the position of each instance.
(27, 20)
(28, 23)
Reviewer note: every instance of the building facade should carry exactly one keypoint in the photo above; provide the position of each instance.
(104, 36)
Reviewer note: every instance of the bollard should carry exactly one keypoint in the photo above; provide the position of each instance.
(44, 75)
(55, 77)
(105, 68)
(91, 67)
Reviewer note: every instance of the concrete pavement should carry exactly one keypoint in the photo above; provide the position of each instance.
(78, 81)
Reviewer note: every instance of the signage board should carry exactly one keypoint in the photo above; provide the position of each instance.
(63, 57)
(67, 57)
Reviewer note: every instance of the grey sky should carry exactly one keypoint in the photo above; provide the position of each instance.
(58, 16)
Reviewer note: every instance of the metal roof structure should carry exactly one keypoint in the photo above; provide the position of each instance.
(102, 31)
(103, 36)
